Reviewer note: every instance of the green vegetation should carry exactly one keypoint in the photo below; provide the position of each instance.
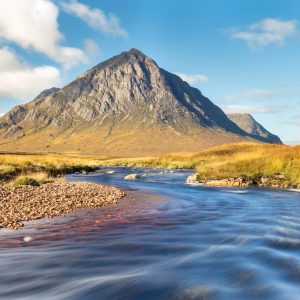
(25, 180)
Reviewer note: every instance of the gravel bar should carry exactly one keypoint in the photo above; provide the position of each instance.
(25, 203)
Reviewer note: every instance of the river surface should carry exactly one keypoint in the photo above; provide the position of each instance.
(167, 240)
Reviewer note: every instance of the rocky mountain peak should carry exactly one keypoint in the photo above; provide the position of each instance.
(250, 125)
(124, 94)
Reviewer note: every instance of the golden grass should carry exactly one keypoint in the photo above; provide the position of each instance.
(230, 160)
(250, 159)
(31, 178)
(57, 161)
(13, 165)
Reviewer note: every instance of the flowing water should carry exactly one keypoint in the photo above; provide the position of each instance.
(167, 240)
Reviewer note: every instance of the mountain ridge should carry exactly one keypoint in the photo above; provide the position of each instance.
(117, 102)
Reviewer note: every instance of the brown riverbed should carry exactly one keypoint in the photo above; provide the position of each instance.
(25, 203)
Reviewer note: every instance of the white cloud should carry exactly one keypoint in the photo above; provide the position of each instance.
(95, 18)
(33, 24)
(260, 94)
(22, 81)
(193, 78)
(250, 109)
(267, 31)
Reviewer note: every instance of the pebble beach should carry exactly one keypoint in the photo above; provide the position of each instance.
(25, 203)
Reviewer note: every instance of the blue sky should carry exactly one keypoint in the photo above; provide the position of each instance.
(243, 55)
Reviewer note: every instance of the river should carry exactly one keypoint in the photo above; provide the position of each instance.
(166, 240)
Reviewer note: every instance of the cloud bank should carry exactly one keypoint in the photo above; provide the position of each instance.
(33, 24)
(260, 95)
(22, 81)
(193, 78)
(250, 109)
(95, 18)
(266, 32)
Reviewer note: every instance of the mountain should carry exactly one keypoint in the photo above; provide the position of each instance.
(125, 106)
(247, 123)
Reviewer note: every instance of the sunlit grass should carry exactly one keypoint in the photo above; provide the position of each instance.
(13, 165)
(230, 160)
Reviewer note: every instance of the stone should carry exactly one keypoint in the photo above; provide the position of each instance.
(111, 172)
(228, 182)
(132, 177)
(27, 239)
(192, 179)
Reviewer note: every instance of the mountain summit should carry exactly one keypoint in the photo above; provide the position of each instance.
(125, 106)
(255, 129)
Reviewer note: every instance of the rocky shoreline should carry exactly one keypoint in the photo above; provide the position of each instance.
(279, 181)
(25, 203)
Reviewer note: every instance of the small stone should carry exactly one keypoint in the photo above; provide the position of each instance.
(192, 179)
(27, 239)
(111, 172)
(132, 177)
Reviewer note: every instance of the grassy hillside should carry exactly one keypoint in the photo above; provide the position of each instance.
(119, 141)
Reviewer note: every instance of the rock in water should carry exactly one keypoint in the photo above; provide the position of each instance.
(228, 182)
(192, 179)
(27, 239)
(132, 177)
(111, 172)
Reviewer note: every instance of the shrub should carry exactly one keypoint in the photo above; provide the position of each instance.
(25, 180)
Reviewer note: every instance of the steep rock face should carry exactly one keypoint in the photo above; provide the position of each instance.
(255, 129)
(131, 86)
(114, 105)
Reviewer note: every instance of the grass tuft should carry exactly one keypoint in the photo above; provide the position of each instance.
(42, 167)
(25, 180)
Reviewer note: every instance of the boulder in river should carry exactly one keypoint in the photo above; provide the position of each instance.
(192, 179)
(228, 182)
(132, 177)
(111, 172)
(27, 239)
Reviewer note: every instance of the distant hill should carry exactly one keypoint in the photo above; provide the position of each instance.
(125, 106)
(255, 129)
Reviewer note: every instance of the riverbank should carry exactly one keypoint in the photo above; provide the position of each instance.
(52, 165)
(25, 203)
(277, 181)
(241, 164)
